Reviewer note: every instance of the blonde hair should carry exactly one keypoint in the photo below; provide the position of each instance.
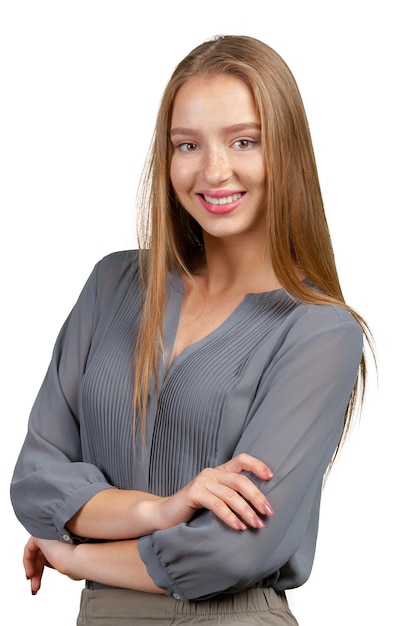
(298, 234)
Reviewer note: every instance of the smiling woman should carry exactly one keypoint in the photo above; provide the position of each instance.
(217, 167)
(201, 386)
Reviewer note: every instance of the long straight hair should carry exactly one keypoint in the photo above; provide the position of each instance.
(297, 230)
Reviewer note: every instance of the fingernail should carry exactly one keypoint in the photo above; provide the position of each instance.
(268, 473)
(33, 593)
(258, 522)
(267, 509)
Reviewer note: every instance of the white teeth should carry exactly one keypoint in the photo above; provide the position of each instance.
(226, 200)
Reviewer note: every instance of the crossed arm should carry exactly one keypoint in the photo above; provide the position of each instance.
(118, 517)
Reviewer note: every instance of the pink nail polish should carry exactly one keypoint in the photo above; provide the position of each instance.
(268, 510)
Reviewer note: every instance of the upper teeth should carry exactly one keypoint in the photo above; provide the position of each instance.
(225, 200)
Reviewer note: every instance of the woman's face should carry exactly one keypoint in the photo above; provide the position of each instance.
(217, 166)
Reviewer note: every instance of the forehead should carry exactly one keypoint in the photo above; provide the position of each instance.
(223, 100)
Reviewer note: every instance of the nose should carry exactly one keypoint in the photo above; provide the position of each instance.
(217, 167)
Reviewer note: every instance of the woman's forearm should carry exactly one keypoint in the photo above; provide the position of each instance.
(117, 514)
(120, 516)
(116, 563)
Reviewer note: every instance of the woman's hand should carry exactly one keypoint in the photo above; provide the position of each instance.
(116, 514)
(114, 563)
(225, 491)
(41, 553)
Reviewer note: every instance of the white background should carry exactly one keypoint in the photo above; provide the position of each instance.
(80, 85)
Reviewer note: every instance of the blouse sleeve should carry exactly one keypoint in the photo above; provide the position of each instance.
(294, 426)
(50, 481)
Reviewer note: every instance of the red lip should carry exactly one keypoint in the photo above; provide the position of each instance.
(220, 209)
(220, 193)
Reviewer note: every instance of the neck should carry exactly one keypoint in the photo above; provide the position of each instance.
(235, 266)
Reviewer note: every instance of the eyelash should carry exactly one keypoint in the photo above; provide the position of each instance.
(183, 146)
(251, 143)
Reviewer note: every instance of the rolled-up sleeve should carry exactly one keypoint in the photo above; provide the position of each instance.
(294, 424)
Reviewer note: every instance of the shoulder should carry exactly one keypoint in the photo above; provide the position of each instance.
(324, 320)
(113, 274)
(326, 315)
(115, 267)
(118, 262)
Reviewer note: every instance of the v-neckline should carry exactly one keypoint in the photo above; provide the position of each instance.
(172, 318)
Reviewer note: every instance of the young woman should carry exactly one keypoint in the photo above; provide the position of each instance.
(201, 387)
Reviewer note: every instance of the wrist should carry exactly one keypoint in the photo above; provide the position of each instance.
(149, 513)
(63, 557)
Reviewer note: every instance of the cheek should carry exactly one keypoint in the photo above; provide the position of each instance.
(255, 180)
(252, 171)
(260, 171)
(261, 180)
(180, 175)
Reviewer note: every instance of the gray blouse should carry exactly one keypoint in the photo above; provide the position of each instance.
(273, 380)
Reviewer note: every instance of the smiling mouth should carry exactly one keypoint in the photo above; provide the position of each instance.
(221, 201)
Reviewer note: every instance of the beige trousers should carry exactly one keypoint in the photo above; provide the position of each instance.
(116, 607)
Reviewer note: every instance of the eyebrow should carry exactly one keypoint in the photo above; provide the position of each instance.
(235, 128)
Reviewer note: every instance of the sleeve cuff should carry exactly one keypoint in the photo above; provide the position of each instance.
(70, 507)
(156, 570)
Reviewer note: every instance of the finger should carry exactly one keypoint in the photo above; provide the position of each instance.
(249, 492)
(205, 498)
(34, 563)
(244, 491)
(223, 512)
(227, 494)
(35, 582)
(246, 462)
(241, 509)
(245, 503)
(29, 553)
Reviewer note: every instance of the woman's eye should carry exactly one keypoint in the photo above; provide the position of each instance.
(244, 144)
(187, 146)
